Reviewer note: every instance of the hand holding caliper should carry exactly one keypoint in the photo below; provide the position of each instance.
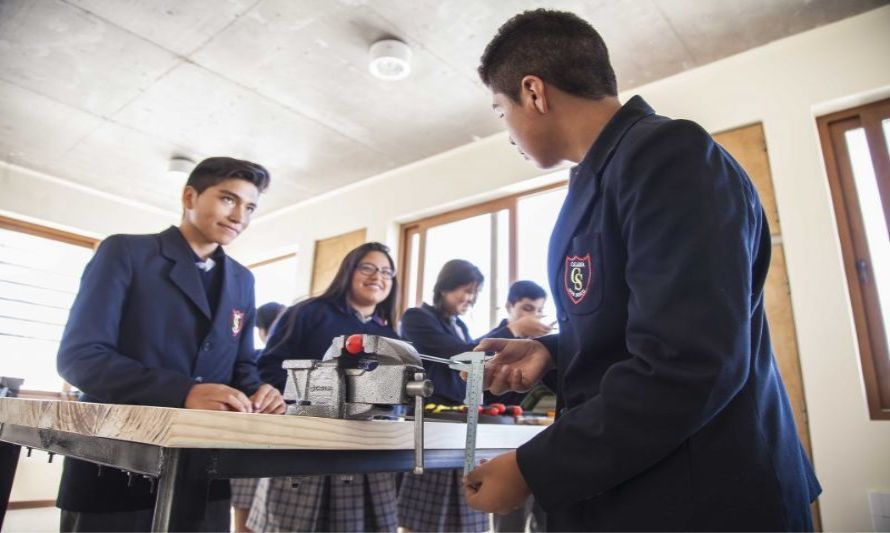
(518, 364)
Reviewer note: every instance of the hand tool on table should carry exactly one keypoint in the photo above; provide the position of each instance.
(473, 364)
(359, 377)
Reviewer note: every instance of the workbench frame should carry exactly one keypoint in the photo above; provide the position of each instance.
(182, 473)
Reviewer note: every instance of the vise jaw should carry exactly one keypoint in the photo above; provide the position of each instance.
(359, 377)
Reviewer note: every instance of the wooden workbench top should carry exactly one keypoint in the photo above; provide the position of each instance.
(188, 428)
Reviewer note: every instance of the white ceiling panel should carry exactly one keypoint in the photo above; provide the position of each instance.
(302, 68)
(181, 26)
(131, 164)
(224, 118)
(104, 92)
(35, 131)
(713, 30)
(75, 58)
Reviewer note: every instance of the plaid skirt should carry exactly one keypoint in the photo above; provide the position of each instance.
(360, 502)
(434, 501)
(243, 490)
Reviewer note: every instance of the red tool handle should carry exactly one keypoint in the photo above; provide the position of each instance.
(354, 344)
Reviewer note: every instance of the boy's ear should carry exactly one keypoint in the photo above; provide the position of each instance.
(534, 92)
(189, 197)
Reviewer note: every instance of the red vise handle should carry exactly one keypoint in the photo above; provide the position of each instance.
(354, 344)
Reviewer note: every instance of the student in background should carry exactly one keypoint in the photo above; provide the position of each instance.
(525, 309)
(434, 501)
(267, 316)
(525, 305)
(166, 320)
(360, 300)
(243, 489)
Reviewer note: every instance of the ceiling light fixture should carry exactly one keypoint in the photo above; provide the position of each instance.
(179, 167)
(390, 59)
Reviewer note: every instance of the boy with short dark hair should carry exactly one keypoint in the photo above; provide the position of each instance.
(166, 320)
(673, 415)
(525, 305)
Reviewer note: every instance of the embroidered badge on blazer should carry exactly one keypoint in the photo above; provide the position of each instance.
(237, 321)
(577, 277)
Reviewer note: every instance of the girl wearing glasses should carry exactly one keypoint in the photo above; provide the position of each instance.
(360, 300)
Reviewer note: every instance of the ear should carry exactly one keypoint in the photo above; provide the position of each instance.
(189, 197)
(534, 93)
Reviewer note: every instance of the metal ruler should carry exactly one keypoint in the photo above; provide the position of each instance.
(473, 363)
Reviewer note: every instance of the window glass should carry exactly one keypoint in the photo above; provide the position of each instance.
(39, 278)
(413, 266)
(873, 218)
(276, 281)
(886, 126)
(536, 215)
(503, 266)
(468, 239)
(484, 239)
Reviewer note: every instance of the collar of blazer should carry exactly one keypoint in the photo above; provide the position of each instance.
(583, 184)
(184, 273)
(445, 322)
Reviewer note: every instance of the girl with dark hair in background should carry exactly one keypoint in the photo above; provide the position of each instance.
(360, 300)
(435, 500)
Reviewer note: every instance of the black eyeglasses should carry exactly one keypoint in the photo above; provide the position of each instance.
(368, 270)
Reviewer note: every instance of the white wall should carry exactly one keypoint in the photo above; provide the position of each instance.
(784, 85)
(42, 199)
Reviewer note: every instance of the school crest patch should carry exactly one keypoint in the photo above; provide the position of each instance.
(578, 272)
(237, 321)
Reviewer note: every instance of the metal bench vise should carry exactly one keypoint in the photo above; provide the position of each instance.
(359, 377)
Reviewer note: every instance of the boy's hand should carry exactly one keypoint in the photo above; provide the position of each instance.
(267, 400)
(517, 365)
(217, 397)
(528, 327)
(496, 486)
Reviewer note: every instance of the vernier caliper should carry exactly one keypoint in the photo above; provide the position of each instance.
(473, 363)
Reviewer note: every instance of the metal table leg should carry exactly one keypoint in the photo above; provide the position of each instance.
(9, 460)
(182, 494)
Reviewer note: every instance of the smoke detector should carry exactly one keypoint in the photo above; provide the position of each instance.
(390, 59)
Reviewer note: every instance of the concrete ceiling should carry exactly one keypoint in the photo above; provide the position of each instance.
(104, 92)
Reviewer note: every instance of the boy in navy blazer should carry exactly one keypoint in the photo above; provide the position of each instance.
(166, 320)
(672, 415)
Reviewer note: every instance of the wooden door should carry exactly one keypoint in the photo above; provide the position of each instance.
(328, 255)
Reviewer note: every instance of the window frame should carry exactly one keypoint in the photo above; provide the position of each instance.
(870, 333)
(46, 232)
(408, 229)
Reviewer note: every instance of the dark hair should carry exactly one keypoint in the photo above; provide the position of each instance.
(267, 314)
(560, 48)
(455, 273)
(213, 170)
(525, 289)
(342, 283)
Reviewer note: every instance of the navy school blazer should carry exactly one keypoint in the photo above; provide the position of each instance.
(141, 332)
(432, 334)
(674, 413)
(306, 330)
